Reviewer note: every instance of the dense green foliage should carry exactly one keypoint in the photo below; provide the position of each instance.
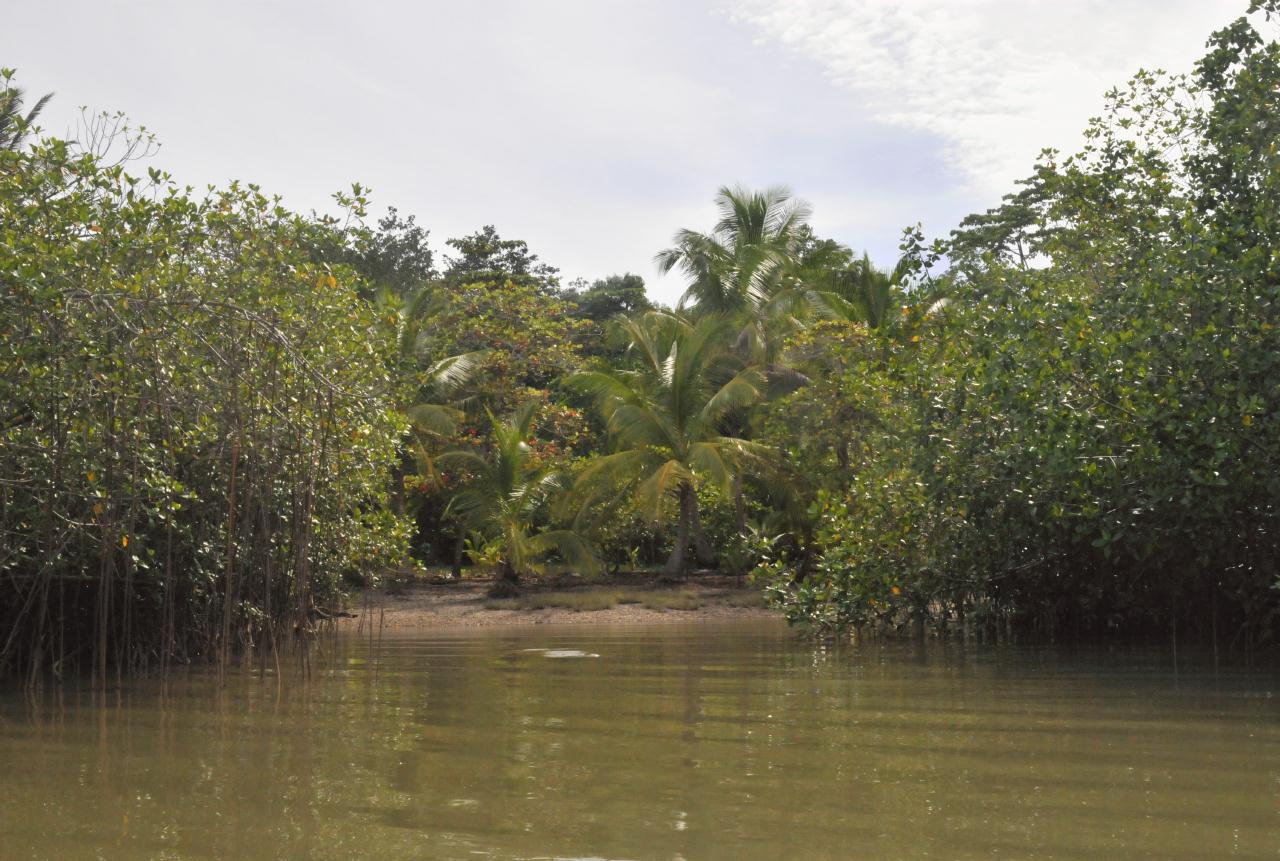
(195, 427)
(1085, 439)
(665, 418)
(1061, 420)
(502, 496)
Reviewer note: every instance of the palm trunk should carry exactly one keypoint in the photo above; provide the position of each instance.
(688, 509)
(509, 573)
(702, 550)
(458, 546)
(508, 583)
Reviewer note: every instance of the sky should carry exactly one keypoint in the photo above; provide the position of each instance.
(594, 129)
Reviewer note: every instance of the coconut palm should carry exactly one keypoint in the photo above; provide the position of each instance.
(504, 496)
(859, 292)
(14, 127)
(665, 422)
(439, 399)
(842, 287)
(439, 408)
(436, 406)
(748, 270)
(739, 270)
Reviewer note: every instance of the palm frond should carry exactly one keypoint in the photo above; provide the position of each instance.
(660, 487)
(782, 380)
(14, 127)
(460, 460)
(617, 470)
(451, 373)
(636, 425)
(473, 506)
(708, 461)
(744, 389)
(575, 549)
(609, 387)
(534, 493)
(436, 419)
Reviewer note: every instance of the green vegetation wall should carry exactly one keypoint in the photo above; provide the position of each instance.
(1087, 437)
(195, 431)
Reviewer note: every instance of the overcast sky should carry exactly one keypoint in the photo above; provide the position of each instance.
(594, 129)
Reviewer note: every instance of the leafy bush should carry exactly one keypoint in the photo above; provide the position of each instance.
(1087, 441)
(194, 430)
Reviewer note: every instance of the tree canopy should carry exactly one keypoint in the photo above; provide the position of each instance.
(217, 415)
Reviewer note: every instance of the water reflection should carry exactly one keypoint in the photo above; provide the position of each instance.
(715, 742)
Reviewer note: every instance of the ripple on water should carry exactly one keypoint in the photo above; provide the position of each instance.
(564, 653)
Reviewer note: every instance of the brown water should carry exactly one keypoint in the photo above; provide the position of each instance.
(717, 742)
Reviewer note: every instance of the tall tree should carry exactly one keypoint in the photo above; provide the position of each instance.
(396, 256)
(738, 266)
(597, 305)
(664, 420)
(606, 298)
(485, 257)
(743, 269)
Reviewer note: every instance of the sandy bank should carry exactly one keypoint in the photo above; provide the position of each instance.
(465, 604)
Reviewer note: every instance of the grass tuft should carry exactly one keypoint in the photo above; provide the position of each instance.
(663, 601)
(603, 599)
(751, 600)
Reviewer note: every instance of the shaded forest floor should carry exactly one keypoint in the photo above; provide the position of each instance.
(638, 599)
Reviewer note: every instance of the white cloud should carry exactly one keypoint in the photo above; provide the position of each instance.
(996, 80)
(595, 129)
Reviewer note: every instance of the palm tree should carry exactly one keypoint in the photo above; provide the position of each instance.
(836, 285)
(503, 497)
(439, 399)
(14, 127)
(438, 410)
(436, 407)
(665, 422)
(862, 293)
(739, 269)
(749, 269)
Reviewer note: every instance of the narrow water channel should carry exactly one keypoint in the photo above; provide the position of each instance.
(714, 742)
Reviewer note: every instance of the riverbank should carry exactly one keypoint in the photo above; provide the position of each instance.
(629, 601)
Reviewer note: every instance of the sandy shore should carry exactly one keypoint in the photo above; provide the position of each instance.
(466, 604)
